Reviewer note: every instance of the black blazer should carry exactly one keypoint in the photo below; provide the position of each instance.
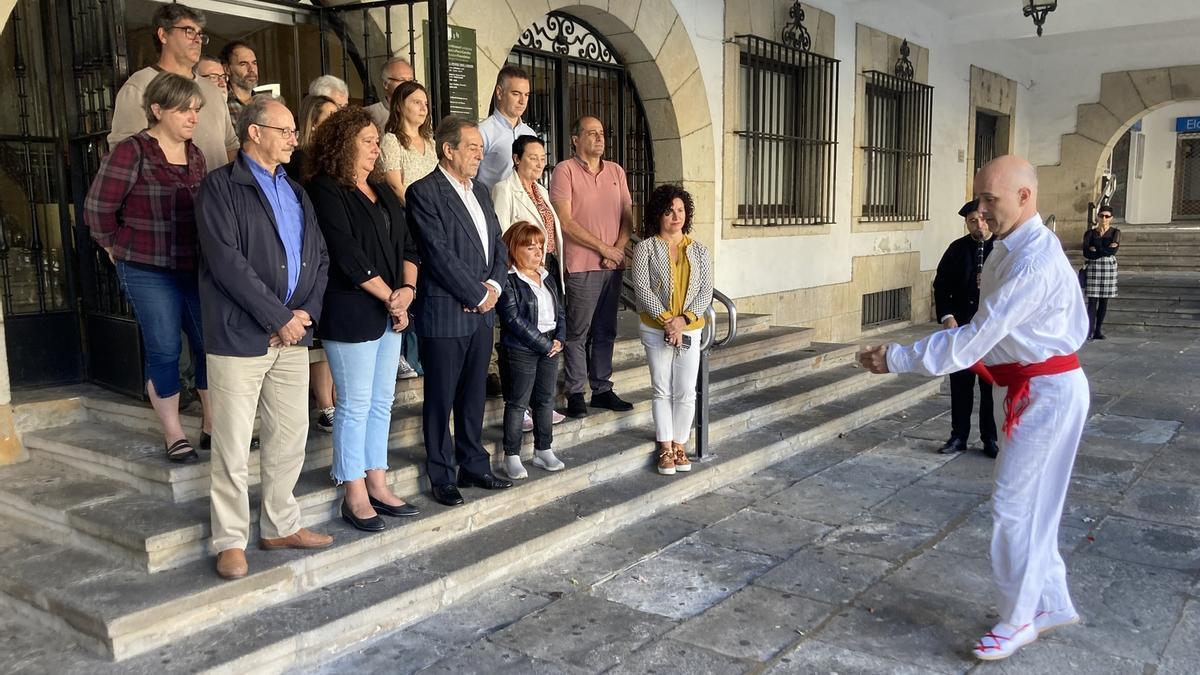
(518, 309)
(453, 267)
(362, 245)
(243, 265)
(955, 290)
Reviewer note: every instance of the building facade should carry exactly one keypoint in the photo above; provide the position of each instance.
(828, 145)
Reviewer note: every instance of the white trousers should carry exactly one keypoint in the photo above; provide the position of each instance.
(673, 377)
(1032, 474)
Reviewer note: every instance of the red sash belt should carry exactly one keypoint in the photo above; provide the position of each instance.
(1016, 377)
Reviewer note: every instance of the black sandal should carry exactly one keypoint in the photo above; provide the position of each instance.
(181, 452)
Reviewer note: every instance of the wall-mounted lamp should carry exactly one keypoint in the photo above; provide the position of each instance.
(1039, 11)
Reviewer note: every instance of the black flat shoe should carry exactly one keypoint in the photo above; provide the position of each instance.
(611, 401)
(1099, 336)
(486, 481)
(991, 449)
(576, 406)
(402, 511)
(447, 495)
(372, 524)
(953, 445)
(181, 452)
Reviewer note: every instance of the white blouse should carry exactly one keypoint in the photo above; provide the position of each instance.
(414, 165)
(1030, 308)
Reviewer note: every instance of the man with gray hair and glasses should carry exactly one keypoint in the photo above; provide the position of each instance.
(262, 280)
(333, 88)
(395, 72)
(178, 38)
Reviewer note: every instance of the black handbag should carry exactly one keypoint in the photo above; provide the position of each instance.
(1083, 277)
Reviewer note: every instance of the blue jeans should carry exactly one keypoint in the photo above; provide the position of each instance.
(165, 302)
(364, 374)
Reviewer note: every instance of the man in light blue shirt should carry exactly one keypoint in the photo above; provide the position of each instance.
(289, 216)
(504, 126)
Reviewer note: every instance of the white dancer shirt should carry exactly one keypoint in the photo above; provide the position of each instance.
(1031, 308)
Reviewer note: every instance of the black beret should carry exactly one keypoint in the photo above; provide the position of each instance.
(967, 208)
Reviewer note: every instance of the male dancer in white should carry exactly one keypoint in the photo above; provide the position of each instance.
(1031, 321)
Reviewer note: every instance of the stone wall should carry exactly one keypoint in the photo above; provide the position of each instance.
(996, 94)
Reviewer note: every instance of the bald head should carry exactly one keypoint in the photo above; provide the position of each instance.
(1007, 192)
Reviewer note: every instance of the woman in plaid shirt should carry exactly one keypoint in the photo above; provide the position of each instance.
(140, 211)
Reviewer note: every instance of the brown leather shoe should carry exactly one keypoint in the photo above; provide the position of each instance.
(231, 563)
(301, 538)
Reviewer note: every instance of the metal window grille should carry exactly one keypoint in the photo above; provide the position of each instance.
(886, 306)
(788, 141)
(985, 139)
(897, 148)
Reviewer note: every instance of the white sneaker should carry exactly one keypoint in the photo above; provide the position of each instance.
(1003, 640)
(406, 371)
(513, 467)
(545, 459)
(556, 417)
(1048, 621)
(527, 422)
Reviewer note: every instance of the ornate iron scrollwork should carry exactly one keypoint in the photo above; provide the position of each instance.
(904, 67)
(795, 35)
(562, 35)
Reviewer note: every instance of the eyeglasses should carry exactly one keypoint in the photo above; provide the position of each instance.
(192, 33)
(215, 77)
(287, 133)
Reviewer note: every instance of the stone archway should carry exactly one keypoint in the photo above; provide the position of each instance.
(655, 48)
(1125, 96)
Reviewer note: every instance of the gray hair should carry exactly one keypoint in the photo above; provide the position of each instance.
(254, 112)
(170, 92)
(166, 16)
(449, 130)
(383, 71)
(326, 85)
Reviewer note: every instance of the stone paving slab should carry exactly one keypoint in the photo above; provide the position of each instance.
(815, 656)
(666, 655)
(755, 623)
(826, 501)
(825, 574)
(931, 507)
(582, 630)
(1157, 544)
(879, 537)
(767, 533)
(1155, 501)
(685, 580)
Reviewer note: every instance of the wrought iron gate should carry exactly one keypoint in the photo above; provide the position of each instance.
(575, 72)
(1187, 179)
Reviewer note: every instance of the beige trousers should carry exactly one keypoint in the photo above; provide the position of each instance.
(235, 386)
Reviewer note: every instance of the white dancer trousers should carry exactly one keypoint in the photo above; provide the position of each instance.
(673, 377)
(1032, 474)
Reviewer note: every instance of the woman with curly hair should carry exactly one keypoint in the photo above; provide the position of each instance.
(372, 280)
(673, 277)
(406, 150)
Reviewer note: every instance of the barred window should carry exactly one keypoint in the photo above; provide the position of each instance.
(788, 138)
(896, 148)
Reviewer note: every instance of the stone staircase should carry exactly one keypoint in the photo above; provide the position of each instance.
(1159, 278)
(105, 541)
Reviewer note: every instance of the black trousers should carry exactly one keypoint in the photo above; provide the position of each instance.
(529, 380)
(455, 381)
(962, 402)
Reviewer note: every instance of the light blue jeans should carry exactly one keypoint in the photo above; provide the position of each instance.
(364, 374)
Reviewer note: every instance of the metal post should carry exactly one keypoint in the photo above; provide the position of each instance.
(439, 57)
(702, 406)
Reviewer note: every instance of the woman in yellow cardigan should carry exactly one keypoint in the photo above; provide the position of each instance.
(673, 276)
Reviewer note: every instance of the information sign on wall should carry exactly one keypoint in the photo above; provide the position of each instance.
(460, 72)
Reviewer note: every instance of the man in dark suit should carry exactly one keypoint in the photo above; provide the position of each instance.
(463, 263)
(956, 293)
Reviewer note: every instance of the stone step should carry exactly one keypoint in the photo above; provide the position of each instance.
(799, 379)
(1148, 321)
(297, 604)
(755, 337)
(120, 452)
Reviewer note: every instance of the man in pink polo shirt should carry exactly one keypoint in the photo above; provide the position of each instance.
(591, 197)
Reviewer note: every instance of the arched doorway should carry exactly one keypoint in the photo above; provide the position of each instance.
(575, 72)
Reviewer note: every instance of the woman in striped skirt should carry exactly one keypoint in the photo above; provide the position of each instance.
(1100, 248)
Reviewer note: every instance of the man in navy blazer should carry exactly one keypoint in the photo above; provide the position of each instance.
(463, 263)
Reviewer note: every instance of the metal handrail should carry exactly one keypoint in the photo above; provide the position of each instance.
(709, 341)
